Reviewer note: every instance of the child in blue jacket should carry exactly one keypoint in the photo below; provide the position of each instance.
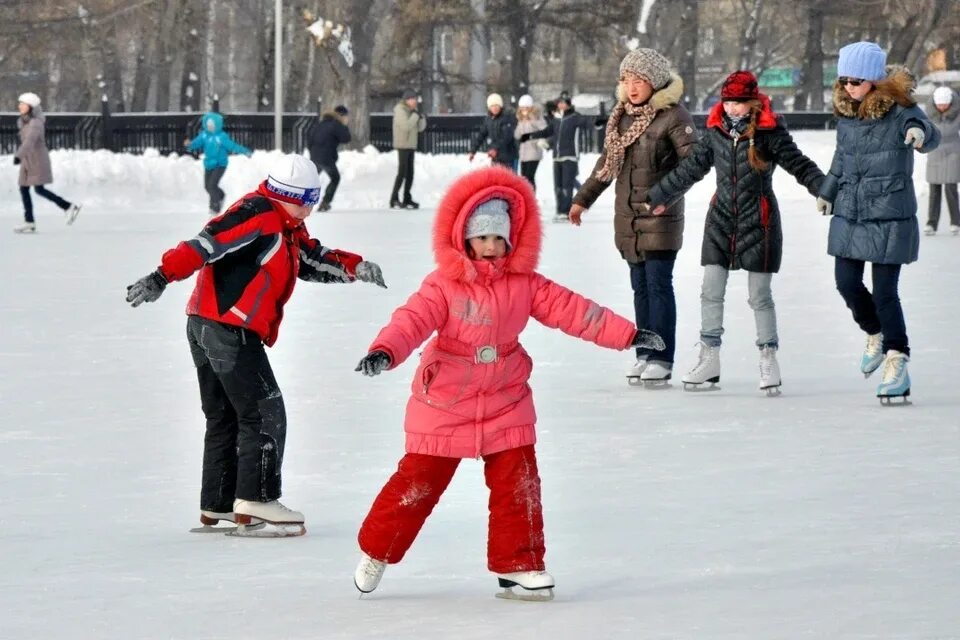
(216, 146)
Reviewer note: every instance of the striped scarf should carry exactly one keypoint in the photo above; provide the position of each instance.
(615, 145)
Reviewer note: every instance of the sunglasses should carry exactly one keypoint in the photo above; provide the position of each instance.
(853, 82)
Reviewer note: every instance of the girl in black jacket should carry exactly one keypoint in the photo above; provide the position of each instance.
(744, 141)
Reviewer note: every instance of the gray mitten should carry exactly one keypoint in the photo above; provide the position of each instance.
(370, 272)
(648, 340)
(373, 363)
(146, 289)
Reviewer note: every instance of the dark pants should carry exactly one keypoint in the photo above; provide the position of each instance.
(404, 176)
(528, 169)
(879, 311)
(950, 191)
(330, 170)
(564, 178)
(246, 420)
(507, 163)
(43, 192)
(654, 303)
(211, 182)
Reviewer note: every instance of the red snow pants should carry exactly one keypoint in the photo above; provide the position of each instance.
(515, 535)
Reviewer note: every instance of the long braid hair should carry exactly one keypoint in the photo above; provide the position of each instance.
(755, 156)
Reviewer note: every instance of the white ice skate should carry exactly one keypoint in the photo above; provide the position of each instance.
(368, 574)
(656, 375)
(26, 227)
(706, 373)
(955, 230)
(72, 212)
(561, 217)
(534, 586)
(929, 230)
(872, 356)
(635, 370)
(210, 520)
(769, 371)
(894, 388)
(284, 522)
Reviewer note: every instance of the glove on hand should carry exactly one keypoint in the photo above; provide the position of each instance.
(370, 272)
(146, 289)
(915, 136)
(16, 160)
(373, 363)
(824, 207)
(648, 340)
(524, 137)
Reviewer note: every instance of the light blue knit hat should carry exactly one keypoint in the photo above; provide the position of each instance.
(864, 60)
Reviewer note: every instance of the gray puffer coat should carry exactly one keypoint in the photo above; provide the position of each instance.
(943, 165)
(871, 177)
(32, 152)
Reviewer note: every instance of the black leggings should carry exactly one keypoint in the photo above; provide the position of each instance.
(528, 169)
(41, 191)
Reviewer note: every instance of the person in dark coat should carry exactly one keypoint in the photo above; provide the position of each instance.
(869, 191)
(497, 134)
(745, 141)
(323, 138)
(943, 165)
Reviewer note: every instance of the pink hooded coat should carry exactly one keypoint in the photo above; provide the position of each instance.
(462, 407)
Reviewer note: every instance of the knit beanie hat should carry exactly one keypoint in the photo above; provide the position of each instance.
(340, 110)
(526, 100)
(864, 60)
(490, 218)
(294, 179)
(648, 64)
(408, 93)
(740, 86)
(30, 99)
(942, 95)
(494, 100)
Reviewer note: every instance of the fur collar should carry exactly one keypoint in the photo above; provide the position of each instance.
(894, 89)
(766, 118)
(449, 248)
(661, 99)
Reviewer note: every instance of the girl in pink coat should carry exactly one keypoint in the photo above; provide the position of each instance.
(470, 397)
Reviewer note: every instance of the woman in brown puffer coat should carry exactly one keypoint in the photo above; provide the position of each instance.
(647, 134)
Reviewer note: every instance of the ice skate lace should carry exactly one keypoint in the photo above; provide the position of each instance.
(373, 569)
(874, 343)
(892, 368)
(767, 358)
(707, 355)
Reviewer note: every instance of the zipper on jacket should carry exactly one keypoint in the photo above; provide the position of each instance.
(736, 213)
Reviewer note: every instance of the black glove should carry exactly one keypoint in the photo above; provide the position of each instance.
(16, 160)
(146, 289)
(648, 340)
(367, 271)
(524, 137)
(373, 363)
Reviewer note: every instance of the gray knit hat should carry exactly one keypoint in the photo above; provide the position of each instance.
(490, 218)
(649, 64)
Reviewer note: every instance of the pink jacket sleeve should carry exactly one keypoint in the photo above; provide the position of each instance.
(411, 324)
(560, 308)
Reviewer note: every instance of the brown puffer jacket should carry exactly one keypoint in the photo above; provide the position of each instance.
(670, 137)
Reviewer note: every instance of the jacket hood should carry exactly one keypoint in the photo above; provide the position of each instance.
(663, 98)
(449, 246)
(766, 118)
(214, 117)
(331, 115)
(951, 113)
(894, 89)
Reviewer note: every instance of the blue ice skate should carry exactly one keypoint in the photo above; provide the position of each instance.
(872, 356)
(895, 386)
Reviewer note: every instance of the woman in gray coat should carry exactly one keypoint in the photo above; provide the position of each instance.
(34, 161)
(943, 166)
(869, 190)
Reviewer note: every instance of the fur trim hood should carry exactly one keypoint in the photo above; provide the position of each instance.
(661, 99)
(765, 116)
(526, 233)
(894, 89)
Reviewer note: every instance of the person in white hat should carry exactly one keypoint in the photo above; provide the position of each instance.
(529, 120)
(497, 134)
(34, 160)
(943, 163)
(249, 259)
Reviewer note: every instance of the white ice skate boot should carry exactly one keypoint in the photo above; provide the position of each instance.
(656, 375)
(535, 586)
(635, 370)
(929, 230)
(769, 371)
(894, 388)
(706, 371)
(285, 521)
(72, 212)
(368, 574)
(955, 230)
(210, 520)
(26, 227)
(872, 355)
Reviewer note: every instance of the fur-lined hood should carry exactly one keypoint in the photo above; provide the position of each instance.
(765, 116)
(332, 115)
(894, 89)
(449, 246)
(661, 99)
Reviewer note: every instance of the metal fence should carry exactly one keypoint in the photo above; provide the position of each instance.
(166, 132)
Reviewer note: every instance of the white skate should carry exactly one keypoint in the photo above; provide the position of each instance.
(535, 586)
(769, 372)
(894, 388)
(285, 522)
(929, 230)
(706, 371)
(210, 520)
(72, 212)
(955, 230)
(368, 574)
(561, 217)
(656, 375)
(635, 370)
(872, 356)
(26, 227)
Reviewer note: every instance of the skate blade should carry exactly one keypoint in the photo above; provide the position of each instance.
(896, 401)
(274, 530)
(701, 387)
(656, 385)
(771, 392)
(524, 595)
(634, 381)
(209, 528)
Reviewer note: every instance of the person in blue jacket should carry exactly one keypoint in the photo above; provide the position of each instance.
(869, 191)
(216, 146)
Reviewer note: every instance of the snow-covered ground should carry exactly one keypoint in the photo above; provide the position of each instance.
(818, 514)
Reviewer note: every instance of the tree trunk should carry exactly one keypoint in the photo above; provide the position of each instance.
(810, 95)
(569, 66)
(194, 15)
(165, 48)
(686, 61)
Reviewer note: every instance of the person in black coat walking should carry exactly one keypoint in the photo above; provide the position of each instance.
(323, 138)
(496, 132)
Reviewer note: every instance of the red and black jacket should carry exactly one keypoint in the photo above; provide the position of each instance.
(249, 259)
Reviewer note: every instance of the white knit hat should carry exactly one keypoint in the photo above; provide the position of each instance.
(294, 179)
(494, 99)
(490, 218)
(942, 95)
(29, 98)
(526, 100)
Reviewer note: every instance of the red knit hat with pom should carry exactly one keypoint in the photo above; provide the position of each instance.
(740, 86)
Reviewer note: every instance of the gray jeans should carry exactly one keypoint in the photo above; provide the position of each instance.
(760, 300)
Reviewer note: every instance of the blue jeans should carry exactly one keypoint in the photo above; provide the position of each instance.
(875, 312)
(654, 303)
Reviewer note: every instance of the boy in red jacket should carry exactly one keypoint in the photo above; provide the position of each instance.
(249, 258)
